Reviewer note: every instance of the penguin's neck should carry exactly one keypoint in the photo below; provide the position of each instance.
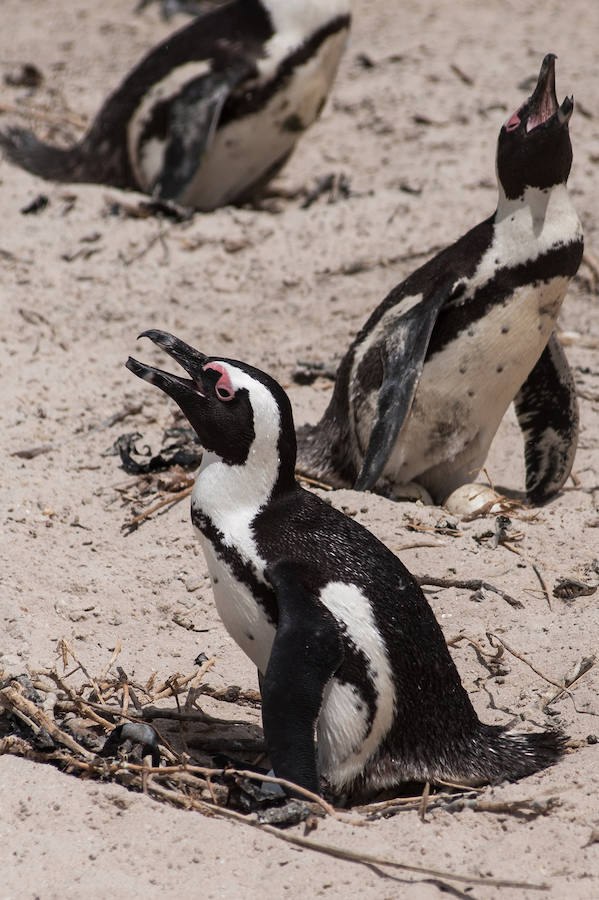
(304, 17)
(223, 491)
(545, 216)
(294, 23)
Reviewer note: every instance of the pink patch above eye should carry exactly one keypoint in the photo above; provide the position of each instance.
(513, 123)
(223, 388)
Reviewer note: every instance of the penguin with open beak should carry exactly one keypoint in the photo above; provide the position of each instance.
(422, 389)
(359, 691)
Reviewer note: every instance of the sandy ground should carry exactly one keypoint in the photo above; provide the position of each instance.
(415, 134)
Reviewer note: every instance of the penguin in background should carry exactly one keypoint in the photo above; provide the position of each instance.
(422, 389)
(359, 691)
(213, 112)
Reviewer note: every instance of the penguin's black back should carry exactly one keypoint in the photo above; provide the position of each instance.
(436, 731)
(332, 547)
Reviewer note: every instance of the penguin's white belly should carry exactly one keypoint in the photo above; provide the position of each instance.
(466, 388)
(347, 734)
(242, 616)
(245, 149)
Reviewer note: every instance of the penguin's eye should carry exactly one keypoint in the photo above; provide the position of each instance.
(223, 393)
(223, 388)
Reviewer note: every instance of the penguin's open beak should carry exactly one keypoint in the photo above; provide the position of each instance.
(182, 390)
(542, 105)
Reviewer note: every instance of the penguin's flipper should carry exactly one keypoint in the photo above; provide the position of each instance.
(306, 652)
(193, 119)
(547, 411)
(404, 355)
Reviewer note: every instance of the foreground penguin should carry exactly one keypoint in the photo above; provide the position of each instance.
(344, 638)
(211, 113)
(421, 391)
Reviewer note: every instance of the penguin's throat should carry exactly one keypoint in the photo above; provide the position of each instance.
(535, 207)
(223, 491)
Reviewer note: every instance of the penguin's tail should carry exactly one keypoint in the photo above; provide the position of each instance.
(498, 755)
(23, 149)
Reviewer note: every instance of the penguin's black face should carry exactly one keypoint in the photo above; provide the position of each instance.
(534, 147)
(225, 401)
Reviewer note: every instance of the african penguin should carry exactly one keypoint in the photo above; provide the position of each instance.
(212, 112)
(423, 387)
(347, 645)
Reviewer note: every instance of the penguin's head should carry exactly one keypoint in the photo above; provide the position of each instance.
(534, 148)
(239, 413)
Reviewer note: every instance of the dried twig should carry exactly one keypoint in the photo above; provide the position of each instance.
(527, 808)
(542, 582)
(168, 501)
(573, 677)
(471, 584)
(312, 481)
(112, 660)
(65, 649)
(493, 637)
(366, 265)
(424, 801)
(156, 238)
(13, 700)
(413, 545)
(340, 852)
(43, 115)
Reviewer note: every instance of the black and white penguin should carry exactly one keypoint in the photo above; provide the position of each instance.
(347, 645)
(422, 389)
(212, 112)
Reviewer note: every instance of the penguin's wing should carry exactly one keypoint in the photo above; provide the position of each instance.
(547, 411)
(404, 353)
(306, 652)
(192, 121)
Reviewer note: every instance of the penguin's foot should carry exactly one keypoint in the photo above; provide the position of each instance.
(272, 790)
(307, 371)
(411, 490)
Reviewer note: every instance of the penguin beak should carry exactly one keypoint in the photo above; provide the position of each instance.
(542, 105)
(184, 391)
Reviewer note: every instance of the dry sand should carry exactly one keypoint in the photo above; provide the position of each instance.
(416, 135)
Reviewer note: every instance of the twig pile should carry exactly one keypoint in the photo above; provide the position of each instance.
(105, 727)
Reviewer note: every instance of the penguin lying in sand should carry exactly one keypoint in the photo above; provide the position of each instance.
(421, 391)
(345, 641)
(212, 112)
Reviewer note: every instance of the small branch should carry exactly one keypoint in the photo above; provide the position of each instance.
(366, 265)
(337, 852)
(524, 808)
(472, 584)
(491, 637)
(12, 700)
(314, 482)
(65, 649)
(543, 583)
(413, 545)
(424, 802)
(573, 677)
(34, 112)
(168, 501)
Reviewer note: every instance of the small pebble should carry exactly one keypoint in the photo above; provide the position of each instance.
(193, 583)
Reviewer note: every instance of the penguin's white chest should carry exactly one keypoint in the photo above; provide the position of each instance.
(240, 612)
(466, 389)
(245, 149)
